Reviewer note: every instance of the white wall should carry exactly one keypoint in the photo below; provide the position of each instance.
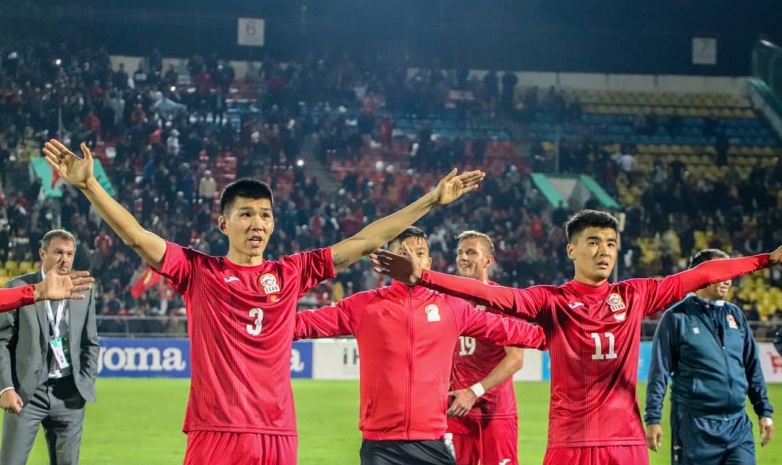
(592, 81)
(628, 82)
(771, 362)
(131, 64)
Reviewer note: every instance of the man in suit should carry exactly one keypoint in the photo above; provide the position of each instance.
(48, 364)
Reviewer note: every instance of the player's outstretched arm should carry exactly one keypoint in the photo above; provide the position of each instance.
(340, 319)
(714, 271)
(525, 302)
(498, 329)
(663, 292)
(450, 188)
(16, 297)
(77, 171)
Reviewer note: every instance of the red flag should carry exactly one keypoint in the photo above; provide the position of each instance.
(148, 279)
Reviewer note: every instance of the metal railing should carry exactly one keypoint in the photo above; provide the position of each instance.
(176, 327)
(144, 326)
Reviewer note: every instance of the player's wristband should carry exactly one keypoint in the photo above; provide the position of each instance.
(770, 421)
(478, 389)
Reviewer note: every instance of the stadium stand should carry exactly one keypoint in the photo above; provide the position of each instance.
(170, 139)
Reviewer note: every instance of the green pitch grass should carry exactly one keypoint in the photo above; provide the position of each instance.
(140, 421)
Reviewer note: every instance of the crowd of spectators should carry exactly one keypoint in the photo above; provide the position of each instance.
(737, 214)
(172, 130)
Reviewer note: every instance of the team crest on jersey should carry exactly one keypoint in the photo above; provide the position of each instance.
(269, 283)
(615, 302)
(732, 322)
(432, 313)
(480, 307)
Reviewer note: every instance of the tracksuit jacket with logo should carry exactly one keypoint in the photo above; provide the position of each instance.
(405, 340)
(708, 350)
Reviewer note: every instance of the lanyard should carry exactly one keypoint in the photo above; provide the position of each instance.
(54, 321)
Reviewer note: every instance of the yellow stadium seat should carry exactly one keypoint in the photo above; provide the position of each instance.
(26, 266)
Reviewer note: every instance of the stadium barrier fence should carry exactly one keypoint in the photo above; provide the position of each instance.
(333, 359)
(176, 326)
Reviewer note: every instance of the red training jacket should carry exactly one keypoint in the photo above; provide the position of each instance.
(405, 340)
(13, 298)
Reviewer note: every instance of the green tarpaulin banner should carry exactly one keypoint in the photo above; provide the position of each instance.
(51, 183)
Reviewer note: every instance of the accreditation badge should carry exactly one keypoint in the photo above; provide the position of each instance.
(59, 353)
(732, 322)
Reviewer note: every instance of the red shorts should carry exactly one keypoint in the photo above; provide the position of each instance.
(608, 455)
(490, 441)
(221, 448)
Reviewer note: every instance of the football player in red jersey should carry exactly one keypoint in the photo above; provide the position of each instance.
(593, 330)
(405, 338)
(241, 308)
(483, 417)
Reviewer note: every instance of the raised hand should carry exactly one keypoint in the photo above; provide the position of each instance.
(451, 187)
(775, 257)
(75, 170)
(58, 287)
(400, 268)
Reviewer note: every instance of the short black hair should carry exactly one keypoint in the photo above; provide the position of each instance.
(247, 188)
(705, 255)
(589, 219)
(412, 231)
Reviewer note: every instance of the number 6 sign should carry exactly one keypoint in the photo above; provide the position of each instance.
(251, 32)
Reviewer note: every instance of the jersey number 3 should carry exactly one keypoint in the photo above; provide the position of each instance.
(599, 355)
(255, 328)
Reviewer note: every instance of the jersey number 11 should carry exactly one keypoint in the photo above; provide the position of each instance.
(599, 355)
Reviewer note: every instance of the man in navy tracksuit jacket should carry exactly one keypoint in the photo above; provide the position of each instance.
(705, 346)
(778, 341)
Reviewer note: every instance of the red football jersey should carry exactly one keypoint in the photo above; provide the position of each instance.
(240, 323)
(473, 360)
(594, 335)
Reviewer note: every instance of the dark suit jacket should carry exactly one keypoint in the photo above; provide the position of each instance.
(24, 343)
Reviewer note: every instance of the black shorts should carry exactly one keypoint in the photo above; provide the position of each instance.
(405, 453)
